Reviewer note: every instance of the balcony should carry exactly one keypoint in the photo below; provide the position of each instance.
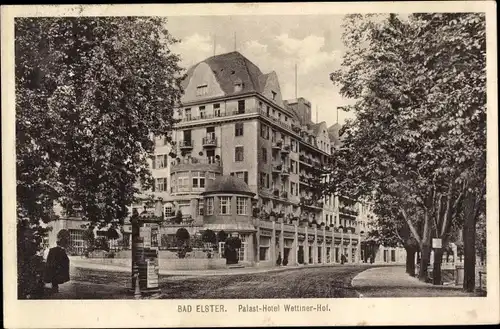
(349, 211)
(192, 163)
(277, 145)
(284, 194)
(186, 145)
(277, 168)
(276, 192)
(209, 141)
(285, 171)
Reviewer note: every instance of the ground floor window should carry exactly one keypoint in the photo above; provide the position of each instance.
(310, 255)
(221, 249)
(337, 255)
(328, 254)
(393, 255)
(386, 254)
(76, 242)
(263, 253)
(353, 254)
(319, 255)
(242, 252)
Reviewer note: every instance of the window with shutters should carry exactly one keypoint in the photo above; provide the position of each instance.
(217, 110)
(161, 161)
(161, 184)
(238, 129)
(203, 113)
(241, 106)
(264, 131)
(243, 175)
(210, 205)
(238, 153)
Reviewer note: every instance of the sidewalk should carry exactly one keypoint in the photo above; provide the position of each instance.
(395, 282)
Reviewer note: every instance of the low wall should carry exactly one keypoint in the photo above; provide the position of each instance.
(164, 264)
(162, 254)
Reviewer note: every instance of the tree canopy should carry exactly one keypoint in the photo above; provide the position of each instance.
(418, 143)
(90, 94)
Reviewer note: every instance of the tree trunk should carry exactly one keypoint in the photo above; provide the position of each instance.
(469, 237)
(410, 261)
(436, 270)
(424, 262)
(425, 249)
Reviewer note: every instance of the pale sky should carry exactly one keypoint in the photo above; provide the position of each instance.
(273, 43)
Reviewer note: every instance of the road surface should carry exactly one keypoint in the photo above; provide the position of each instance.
(318, 282)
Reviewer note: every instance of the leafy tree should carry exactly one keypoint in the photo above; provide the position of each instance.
(90, 94)
(419, 132)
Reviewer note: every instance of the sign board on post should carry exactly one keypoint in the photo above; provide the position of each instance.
(152, 273)
(437, 243)
(145, 234)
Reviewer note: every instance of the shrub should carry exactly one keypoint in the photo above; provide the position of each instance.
(178, 217)
(209, 236)
(221, 236)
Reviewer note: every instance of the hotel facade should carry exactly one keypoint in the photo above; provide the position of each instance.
(247, 162)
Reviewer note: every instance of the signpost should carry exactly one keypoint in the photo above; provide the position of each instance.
(145, 257)
(437, 243)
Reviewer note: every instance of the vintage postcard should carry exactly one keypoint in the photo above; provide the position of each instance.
(252, 164)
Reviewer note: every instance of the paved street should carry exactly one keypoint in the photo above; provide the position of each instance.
(319, 282)
(314, 282)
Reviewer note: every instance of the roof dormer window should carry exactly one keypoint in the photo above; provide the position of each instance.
(202, 90)
(274, 95)
(238, 85)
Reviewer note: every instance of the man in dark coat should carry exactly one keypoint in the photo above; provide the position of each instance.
(57, 267)
(343, 259)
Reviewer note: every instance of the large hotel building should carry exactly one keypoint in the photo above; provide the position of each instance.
(245, 161)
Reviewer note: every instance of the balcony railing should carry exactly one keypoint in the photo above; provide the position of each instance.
(277, 145)
(285, 149)
(285, 171)
(192, 160)
(277, 168)
(186, 144)
(209, 141)
(295, 129)
(284, 194)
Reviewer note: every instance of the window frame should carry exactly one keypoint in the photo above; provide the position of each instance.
(241, 208)
(238, 129)
(239, 150)
(226, 203)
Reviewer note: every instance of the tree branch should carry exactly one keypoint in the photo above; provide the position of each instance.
(410, 225)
